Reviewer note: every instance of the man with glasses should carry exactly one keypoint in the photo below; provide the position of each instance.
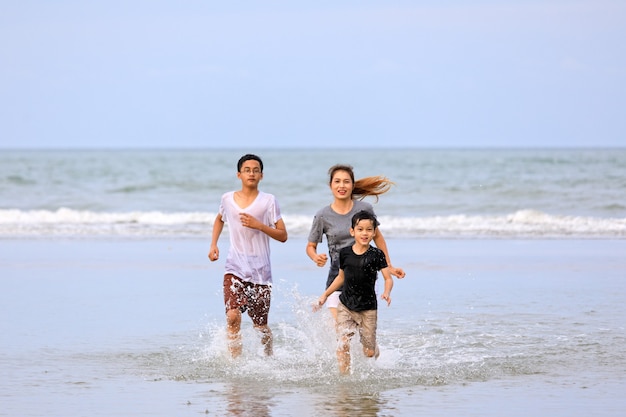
(253, 217)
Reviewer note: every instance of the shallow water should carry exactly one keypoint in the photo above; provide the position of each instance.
(478, 327)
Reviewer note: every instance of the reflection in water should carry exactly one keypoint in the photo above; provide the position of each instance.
(242, 401)
(254, 399)
(348, 401)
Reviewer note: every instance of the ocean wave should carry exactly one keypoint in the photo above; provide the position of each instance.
(66, 222)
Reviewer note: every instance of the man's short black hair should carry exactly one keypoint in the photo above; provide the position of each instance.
(249, 157)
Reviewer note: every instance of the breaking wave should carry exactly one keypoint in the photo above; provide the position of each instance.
(66, 222)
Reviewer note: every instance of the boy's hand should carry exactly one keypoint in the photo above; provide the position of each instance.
(320, 302)
(387, 298)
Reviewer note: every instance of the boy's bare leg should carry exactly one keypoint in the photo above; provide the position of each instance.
(343, 355)
(371, 353)
(266, 339)
(233, 327)
(333, 312)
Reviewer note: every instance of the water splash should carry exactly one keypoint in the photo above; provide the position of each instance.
(304, 355)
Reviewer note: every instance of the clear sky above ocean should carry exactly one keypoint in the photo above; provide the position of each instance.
(200, 73)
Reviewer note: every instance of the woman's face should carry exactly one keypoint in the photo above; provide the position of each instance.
(341, 185)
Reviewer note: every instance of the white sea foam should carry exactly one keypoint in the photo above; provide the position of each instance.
(523, 223)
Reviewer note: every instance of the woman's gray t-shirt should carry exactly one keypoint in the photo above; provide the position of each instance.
(336, 227)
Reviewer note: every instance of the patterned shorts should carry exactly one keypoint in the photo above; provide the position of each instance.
(243, 295)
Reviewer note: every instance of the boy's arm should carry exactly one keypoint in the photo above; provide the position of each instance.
(278, 232)
(388, 285)
(218, 225)
(337, 283)
(381, 244)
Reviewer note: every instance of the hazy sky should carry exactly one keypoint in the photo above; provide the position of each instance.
(202, 73)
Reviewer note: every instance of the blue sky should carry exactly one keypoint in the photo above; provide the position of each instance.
(160, 74)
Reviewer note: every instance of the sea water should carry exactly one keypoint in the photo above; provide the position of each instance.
(512, 304)
(437, 193)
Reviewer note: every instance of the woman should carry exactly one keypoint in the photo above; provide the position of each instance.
(334, 221)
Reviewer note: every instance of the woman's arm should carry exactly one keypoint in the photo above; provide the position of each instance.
(319, 258)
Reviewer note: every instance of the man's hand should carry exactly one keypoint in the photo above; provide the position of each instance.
(249, 221)
(214, 253)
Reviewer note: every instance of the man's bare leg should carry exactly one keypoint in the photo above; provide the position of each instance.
(266, 339)
(233, 327)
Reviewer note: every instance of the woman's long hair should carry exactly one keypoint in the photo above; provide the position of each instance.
(364, 187)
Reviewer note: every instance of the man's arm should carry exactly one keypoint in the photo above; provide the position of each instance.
(218, 225)
(278, 232)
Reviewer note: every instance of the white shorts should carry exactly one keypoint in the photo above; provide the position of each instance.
(333, 300)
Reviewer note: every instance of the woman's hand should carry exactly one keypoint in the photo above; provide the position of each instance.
(320, 259)
(397, 272)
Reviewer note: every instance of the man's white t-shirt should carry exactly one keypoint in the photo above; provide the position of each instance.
(249, 254)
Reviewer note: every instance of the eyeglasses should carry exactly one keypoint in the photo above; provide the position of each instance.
(255, 171)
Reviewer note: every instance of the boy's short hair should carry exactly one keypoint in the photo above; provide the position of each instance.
(364, 215)
(249, 157)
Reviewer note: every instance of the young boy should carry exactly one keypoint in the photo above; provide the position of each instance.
(358, 269)
(253, 218)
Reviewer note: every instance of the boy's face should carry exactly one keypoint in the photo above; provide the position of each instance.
(250, 173)
(363, 231)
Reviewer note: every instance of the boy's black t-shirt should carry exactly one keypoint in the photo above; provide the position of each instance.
(360, 273)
